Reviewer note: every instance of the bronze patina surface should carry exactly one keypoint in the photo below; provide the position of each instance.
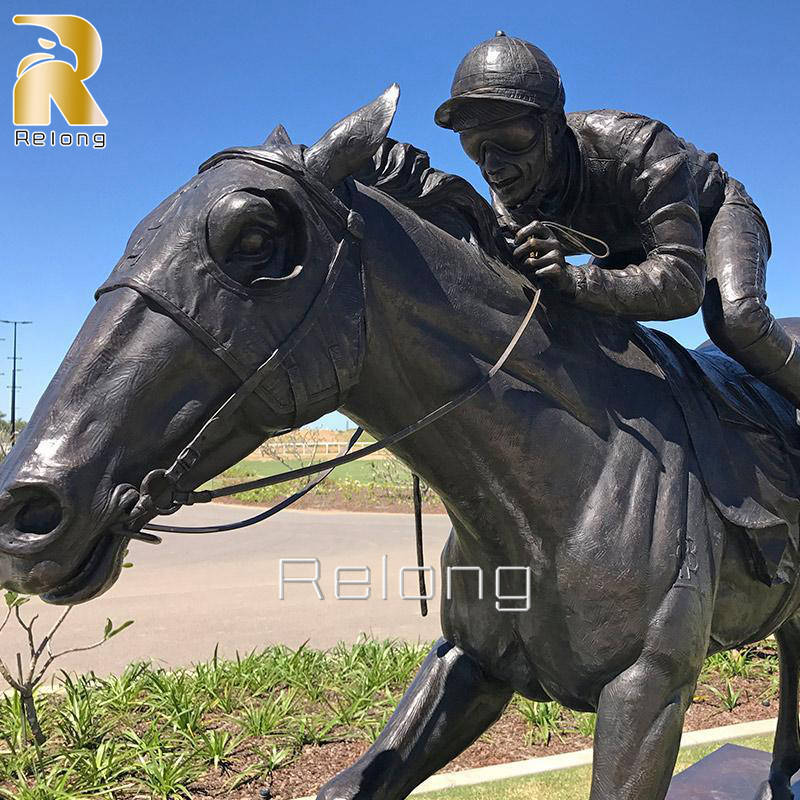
(640, 500)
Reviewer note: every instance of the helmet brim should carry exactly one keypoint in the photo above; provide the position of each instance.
(458, 105)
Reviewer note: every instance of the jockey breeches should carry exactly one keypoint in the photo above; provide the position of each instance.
(735, 306)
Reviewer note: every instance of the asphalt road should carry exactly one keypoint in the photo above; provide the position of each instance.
(194, 592)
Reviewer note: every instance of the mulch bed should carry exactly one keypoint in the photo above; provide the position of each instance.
(739, 686)
(504, 742)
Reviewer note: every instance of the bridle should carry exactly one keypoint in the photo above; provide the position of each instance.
(159, 493)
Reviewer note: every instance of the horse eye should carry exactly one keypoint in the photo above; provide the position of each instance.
(253, 242)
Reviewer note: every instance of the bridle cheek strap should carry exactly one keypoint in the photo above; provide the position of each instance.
(158, 493)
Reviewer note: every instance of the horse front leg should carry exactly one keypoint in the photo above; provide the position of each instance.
(640, 713)
(786, 750)
(448, 705)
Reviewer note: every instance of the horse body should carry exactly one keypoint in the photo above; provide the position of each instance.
(574, 465)
(597, 511)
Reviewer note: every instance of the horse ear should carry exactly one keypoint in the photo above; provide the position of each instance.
(278, 138)
(351, 141)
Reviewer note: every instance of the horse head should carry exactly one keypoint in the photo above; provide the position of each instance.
(229, 279)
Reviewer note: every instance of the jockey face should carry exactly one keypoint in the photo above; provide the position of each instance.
(512, 157)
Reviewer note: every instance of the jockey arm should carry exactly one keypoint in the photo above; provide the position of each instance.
(655, 182)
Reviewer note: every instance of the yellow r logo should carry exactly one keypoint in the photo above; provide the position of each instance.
(41, 77)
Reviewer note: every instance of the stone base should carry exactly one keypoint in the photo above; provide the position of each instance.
(730, 773)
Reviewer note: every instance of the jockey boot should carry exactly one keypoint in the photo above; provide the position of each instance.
(786, 379)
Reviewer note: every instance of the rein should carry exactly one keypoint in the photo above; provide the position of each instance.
(191, 454)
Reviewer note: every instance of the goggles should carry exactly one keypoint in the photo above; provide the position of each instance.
(512, 136)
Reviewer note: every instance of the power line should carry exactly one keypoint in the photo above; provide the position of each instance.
(13, 386)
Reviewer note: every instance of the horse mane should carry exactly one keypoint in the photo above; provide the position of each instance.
(449, 202)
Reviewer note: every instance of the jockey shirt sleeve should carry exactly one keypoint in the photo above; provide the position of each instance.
(656, 184)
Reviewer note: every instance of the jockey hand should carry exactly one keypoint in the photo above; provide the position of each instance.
(540, 254)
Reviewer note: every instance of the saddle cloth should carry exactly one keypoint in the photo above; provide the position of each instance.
(747, 442)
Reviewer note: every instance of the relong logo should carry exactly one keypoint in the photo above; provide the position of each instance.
(41, 78)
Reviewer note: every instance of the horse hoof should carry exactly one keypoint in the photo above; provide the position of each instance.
(764, 792)
(768, 791)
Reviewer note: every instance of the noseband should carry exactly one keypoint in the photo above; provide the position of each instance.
(159, 493)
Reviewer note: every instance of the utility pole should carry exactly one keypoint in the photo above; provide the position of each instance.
(13, 386)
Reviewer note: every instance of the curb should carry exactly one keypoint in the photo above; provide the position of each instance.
(578, 758)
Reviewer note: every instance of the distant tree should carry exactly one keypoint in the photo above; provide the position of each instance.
(5, 433)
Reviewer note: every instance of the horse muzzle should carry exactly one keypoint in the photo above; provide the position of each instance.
(37, 558)
(32, 516)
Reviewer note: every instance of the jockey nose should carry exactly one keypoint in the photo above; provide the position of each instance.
(28, 514)
(493, 163)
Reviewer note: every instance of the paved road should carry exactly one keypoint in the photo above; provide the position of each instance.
(190, 593)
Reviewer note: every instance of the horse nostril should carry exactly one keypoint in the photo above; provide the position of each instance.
(39, 515)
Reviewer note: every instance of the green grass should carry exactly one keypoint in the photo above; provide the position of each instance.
(571, 784)
(368, 482)
(360, 471)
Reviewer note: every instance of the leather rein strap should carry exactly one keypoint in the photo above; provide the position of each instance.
(325, 468)
(346, 458)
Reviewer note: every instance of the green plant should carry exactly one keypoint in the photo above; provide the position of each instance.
(5, 433)
(175, 697)
(118, 694)
(255, 674)
(263, 719)
(587, 725)
(729, 697)
(12, 715)
(736, 663)
(542, 720)
(104, 765)
(304, 670)
(209, 675)
(54, 784)
(56, 777)
(152, 740)
(310, 729)
(217, 746)
(166, 774)
(26, 681)
(227, 698)
(276, 757)
(77, 717)
(772, 688)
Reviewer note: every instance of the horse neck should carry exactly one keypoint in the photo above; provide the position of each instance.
(439, 313)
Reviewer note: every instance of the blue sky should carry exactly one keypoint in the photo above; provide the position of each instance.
(181, 80)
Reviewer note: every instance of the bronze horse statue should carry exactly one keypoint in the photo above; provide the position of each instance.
(648, 495)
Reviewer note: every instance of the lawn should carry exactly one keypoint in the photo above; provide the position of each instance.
(570, 784)
(360, 471)
(370, 485)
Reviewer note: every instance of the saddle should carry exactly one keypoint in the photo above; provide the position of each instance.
(747, 443)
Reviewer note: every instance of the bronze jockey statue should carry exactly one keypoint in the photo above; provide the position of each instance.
(681, 232)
